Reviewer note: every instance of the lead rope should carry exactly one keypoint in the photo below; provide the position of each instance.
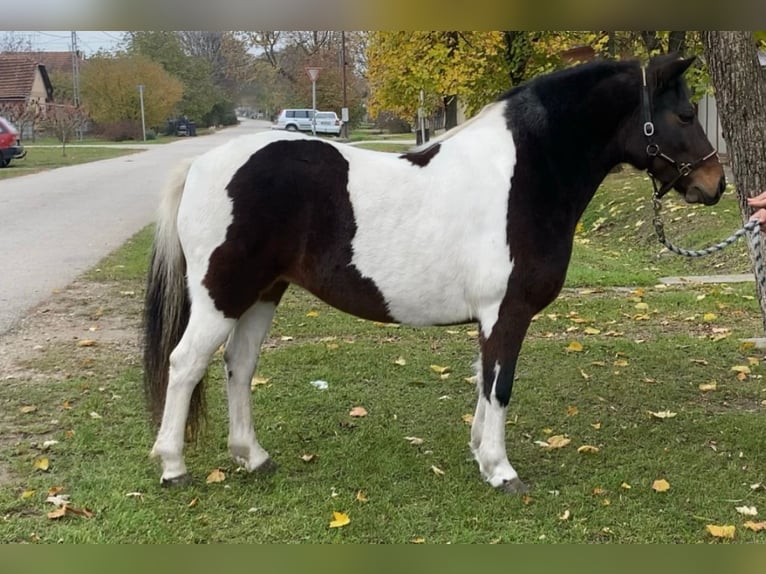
(751, 226)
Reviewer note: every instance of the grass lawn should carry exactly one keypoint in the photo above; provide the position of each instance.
(44, 158)
(639, 348)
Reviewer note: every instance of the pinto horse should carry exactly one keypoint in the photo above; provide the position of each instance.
(476, 227)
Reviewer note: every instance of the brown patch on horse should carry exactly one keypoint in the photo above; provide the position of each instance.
(423, 157)
(292, 222)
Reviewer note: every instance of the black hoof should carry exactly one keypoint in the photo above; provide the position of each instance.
(177, 481)
(268, 467)
(513, 486)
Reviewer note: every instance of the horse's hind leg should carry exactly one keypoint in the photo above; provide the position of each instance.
(206, 331)
(241, 359)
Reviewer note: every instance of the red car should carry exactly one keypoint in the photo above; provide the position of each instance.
(10, 143)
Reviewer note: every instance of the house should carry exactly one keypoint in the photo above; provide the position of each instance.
(24, 85)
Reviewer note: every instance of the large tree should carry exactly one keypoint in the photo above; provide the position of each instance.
(740, 94)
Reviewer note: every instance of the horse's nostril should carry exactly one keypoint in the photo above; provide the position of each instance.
(721, 185)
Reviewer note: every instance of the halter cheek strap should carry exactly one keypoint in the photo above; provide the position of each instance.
(653, 150)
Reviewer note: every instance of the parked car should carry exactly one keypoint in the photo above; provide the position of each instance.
(10, 143)
(294, 120)
(328, 123)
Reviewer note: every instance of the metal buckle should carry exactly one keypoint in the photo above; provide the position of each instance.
(652, 149)
(685, 169)
(648, 129)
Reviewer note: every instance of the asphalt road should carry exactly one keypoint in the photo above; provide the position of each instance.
(56, 224)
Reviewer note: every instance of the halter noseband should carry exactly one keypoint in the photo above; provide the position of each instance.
(653, 149)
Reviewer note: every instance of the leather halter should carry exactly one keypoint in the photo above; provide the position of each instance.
(653, 149)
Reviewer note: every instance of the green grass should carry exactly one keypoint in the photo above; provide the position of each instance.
(42, 158)
(643, 349)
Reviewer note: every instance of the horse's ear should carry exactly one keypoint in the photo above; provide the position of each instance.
(673, 69)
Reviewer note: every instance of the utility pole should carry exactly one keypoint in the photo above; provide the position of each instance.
(76, 79)
(344, 111)
(313, 73)
(143, 121)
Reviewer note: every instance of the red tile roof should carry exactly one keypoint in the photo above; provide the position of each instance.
(17, 74)
(53, 61)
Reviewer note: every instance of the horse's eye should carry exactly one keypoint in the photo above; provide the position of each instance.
(687, 117)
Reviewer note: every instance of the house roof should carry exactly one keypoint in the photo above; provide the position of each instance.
(53, 61)
(17, 76)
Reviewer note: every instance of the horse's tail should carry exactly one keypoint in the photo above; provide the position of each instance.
(167, 305)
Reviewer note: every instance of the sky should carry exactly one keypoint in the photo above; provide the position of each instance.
(88, 41)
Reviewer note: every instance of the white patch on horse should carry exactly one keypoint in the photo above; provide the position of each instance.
(433, 239)
(490, 453)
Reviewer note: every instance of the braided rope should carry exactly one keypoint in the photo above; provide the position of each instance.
(752, 226)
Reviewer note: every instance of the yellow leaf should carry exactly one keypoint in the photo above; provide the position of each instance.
(418, 540)
(711, 386)
(358, 412)
(58, 513)
(662, 414)
(312, 314)
(437, 471)
(599, 491)
(27, 409)
(626, 486)
(257, 381)
(558, 441)
(414, 440)
(308, 457)
(86, 343)
(472, 334)
(572, 411)
(744, 369)
(591, 331)
(660, 485)
(621, 363)
(42, 464)
(54, 490)
(339, 520)
(642, 306)
(361, 496)
(747, 510)
(468, 418)
(400, 361)
(217, 475)
(709, 317)
(28, 494)
(439, 369)
(755, 526)
(721, 531)
(332, 346)
(753, 361)
(565, 516)
(596, 426)
(193, 502)
(574, 347)
(585, 375)
(586, 448)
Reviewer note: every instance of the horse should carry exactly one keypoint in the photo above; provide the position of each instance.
(475, 226)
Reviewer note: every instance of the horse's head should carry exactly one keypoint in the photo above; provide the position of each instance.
(676, 152)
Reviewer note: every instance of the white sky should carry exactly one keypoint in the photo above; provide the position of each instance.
(89, 42)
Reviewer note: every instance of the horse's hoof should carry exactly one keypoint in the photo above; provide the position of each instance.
(513, 486)
(177, 481)
(266, 468)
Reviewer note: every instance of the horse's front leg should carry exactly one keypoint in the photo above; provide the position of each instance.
(500, 346)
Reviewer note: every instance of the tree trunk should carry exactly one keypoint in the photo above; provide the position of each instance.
(740, 93)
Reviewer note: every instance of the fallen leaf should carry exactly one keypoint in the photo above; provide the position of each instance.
(705, 387)
(138, 495)
(586, 448)
(27, 409)
(58, 513)
(747, 510)
(558, 441)
(418, 540)
(626, 486)
(642, 306)
(574, 347)
(755, 526)
(54, 490)
(565, 515)
(42, 464)
(400, 361)
(257, 381)
(217, 475)
(28, 494)
(721, 531)
(438, 369)
(585, 375)
(709, 317)
(286, 338)
(361, 496)
(437, 471)
(702, 362)
(312, 314)
(308, 457)
(599, 491)
(572, 411)
(94, 415)
(339, 520)
(193, 502)
(86, 343)
(591, 331)
(662, 414)
(472, 334)
(414, 440)
(743, 369)
(753, 361)
(467, 418)
(65, 509)
(660, 485)
(621, 363)
(596, 426)
(358, 412)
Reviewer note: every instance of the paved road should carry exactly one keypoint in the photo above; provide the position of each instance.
(55, 225)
